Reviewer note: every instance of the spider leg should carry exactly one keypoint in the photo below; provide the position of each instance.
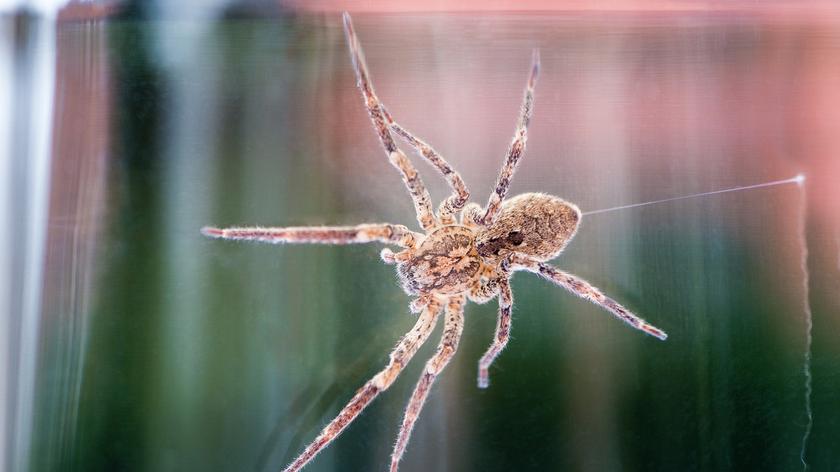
(500, 339)
(417, 305)
(484, 291)
(385, 233)
(487, 287)
(460, 195)
(390, 257)
(471, 216)
(517, 146)
(586, 291)
(419, 194)
(453, 327)
(400, 356)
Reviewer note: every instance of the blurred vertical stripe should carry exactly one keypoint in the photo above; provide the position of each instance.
(77, 214)
(27, 68)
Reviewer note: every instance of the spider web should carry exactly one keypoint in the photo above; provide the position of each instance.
(799, 179)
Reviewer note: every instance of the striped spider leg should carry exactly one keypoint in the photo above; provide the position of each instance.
(400, 356)
(499, 286)
(455, 202)
(383, 121)
(517, 145)
(406, 348)
(452, 329)
(508, 234)
(384, 233)
(416, 188)
(587, 291)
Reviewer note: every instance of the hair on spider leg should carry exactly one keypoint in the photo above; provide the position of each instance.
(388, 256)
(417, 305)
(212, 232)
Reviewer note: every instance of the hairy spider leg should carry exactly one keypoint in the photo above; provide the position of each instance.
(419, 194)
(502, 335)
(586, 291)
(417, 305)
(517, 146)
(385, 233)
(484, 291)
(455, 202)
(390, 257)
(471, 215)
(453, 327)
(400, 356)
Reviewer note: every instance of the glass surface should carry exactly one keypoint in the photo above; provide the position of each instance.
(160, 349)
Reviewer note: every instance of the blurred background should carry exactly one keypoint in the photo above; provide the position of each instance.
(130, 342)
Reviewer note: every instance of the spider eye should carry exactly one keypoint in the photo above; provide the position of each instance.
(516, 238)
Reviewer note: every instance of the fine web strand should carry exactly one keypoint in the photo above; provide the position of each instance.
(809, 325)
(798, 179)
(803, 242)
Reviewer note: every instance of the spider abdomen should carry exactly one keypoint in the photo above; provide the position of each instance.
(446, 262)
(533, 224)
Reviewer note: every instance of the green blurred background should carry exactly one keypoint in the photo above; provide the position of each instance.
(161, 350)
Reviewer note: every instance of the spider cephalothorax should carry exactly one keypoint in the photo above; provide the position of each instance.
(446, 262)
(452, 260)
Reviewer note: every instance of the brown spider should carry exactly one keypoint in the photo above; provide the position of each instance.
(452, 261)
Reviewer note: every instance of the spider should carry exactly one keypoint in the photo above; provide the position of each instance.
(452, 261)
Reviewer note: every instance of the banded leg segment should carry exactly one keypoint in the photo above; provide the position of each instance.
(453, 327)
(405, 350)
(460, 195)
(502, 336)
(419, 195)
(484, 291)
(586, 291)
(385, 233)
(487, 288)
(517, 146)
